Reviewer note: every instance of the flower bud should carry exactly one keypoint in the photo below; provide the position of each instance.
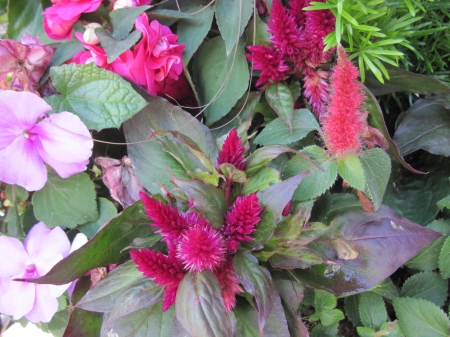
(89, 35)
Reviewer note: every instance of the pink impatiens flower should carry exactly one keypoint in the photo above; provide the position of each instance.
(195, 245)
(29, 138)
(42, 249)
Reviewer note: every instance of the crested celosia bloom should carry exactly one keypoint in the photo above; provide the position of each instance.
(345, 122)
(62, 15)
(27, 61)
(29, 138)
(42, 249)
(232, 151)
(270, 62)
(194, 245)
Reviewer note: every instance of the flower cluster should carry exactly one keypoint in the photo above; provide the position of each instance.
(345, 122)
(155, 59)
(232, 151)
(297, 41)
(29, 137)
(195, 245)
(42, 249)
(25, 62)
(62, 15)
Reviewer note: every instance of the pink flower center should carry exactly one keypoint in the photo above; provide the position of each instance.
(30, 270)
(26, 134)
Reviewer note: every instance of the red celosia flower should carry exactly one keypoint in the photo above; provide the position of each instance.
(345, 123)
(240, 221)
(232, 151)
(284, 30)
(229, 284)
(201, 248)
(316, 89)
(270, 62)
(166, 270)
(297, 12)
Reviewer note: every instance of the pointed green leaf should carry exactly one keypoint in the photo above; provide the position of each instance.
(107, 210)
(372, 310)
(200, 307)
(377, 169)
(428, 286)
(420, 318)
(113, 47)
(261, 180)
(350, 169)
(386, 289)
(220, 79)
(83, 323)
(99, 97)
(123, 20)
(351, 308)
(280, 99)
(294, 257)
(260, 36)
(444, 260)
(66, 202)
(260, 157)
(24, 18)
(278, 132)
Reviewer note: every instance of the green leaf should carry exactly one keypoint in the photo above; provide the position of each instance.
(257, 32)
(372, 310)
(331, 316)
(444, 203)
(103, 249)
(208, 200)
(386, 288)
(428, 286)
(261, 180)
(351, 308)
(377, 169)
(427, 259)
(192, 32)
(200, 308)
(104, 295)
(317, 181)
(257, 281)
(278, 132)
(66, 202)
(425, 125)
(83, 323)
(420, 318)
(107, 210)
(99, 97)
(150, 161)
(123, 20)
(325, 331)
(24, 17)
(365, 332)
(324, 300)
(294, 257)
(280, 99)
(260, 157)
(232, 17)
(444, 261)
(113, 47)
(16, 192)
(350, 169)
(220, 79)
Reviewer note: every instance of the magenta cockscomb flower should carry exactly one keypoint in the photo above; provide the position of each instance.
(29, 138)
(201, 248)
(345, 123)
(240, 221)
(297, 12)
(316, 89)
(42, 249)
(270, 61)
(165, 269)
(232, 151)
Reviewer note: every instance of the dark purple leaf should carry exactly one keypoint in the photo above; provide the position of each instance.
(105, 248)
(426, 125)
(403, 80)
(83, 323)
(361, 249)
(200, 307)
(257, 281)
(376, 120)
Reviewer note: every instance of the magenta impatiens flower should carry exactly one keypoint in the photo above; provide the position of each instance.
(42, 249)
(345, 122)
(29, 137)
(195, 245)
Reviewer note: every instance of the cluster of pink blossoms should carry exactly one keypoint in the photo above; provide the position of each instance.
(297, 44)
(194, 244)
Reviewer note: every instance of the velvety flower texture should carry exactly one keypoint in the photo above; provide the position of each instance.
(62, 15)
(345, 122)
(194, 245)
(29, 138)
(232, 151)
(42, 249)
(27, 61)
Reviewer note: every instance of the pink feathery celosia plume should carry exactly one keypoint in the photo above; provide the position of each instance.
(229, 284)
(316, 89)
(29, 138)
(270, 61)
(240, 221)
(344, 124)
(201, 248)
(232, 151)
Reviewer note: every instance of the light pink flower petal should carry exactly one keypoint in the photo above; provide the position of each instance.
(13, 257)
(26, 107)
(21, 164)
(79, 240)
(57, 291)
(44, 244)
(19, 298)
(45, 305)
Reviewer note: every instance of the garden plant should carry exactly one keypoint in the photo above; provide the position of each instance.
(221, 168)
